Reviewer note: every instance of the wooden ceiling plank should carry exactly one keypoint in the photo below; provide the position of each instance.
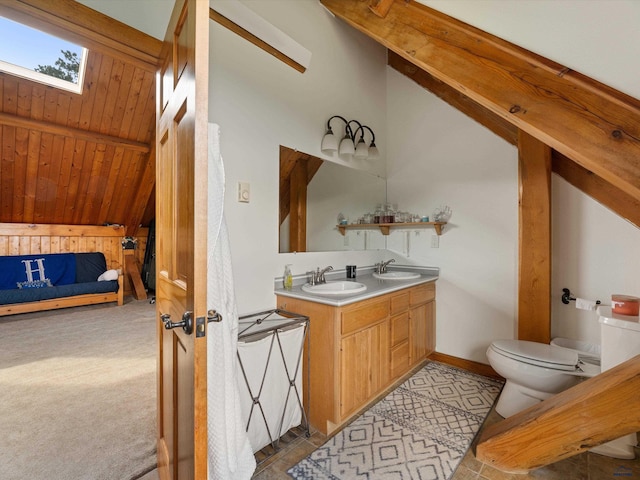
(103, 192)
(43, 177)
(94, 62)
(143, 194)
(63, 179)
(101, 93)
(80, 146)
(80, 24)
(131, 103)
(51, 194)
(14, 121)
(595, 127)
(7, 140)
(9, 95)
(21, 149)
(93, 185)
(105, 215)
(83, 182)
(113, 90)
(31, 176)
(144, 113)
(124, 89)
(63, 103)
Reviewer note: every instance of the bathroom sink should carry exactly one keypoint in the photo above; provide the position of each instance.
(396, 275)
(335, 288)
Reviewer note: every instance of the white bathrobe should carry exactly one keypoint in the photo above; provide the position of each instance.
(230, 454)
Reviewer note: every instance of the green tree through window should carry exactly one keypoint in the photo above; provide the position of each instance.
(66, 67)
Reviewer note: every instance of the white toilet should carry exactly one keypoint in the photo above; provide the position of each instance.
(535, 371)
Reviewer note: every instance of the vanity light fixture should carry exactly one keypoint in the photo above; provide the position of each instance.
(348, 147)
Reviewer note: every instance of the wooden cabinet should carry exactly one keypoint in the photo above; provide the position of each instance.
(359, 350)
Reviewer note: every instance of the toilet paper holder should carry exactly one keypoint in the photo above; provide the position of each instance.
(566, 297)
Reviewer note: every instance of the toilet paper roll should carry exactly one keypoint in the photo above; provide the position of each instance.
(584, 304)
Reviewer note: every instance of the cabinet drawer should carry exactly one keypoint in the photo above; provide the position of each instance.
(423, 293)
(364, 316)
(400, 359)
(399, 328)
(399, 303)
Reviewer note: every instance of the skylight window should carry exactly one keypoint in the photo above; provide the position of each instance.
(33, 54)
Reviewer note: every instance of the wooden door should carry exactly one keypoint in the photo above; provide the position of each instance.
(181, 284)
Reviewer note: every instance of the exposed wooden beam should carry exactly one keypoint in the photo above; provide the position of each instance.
(455, 98)
(534, 285)
(237, 29)
(596, 187)
(80, 24)
(381, 7)
(588, 122)
(78, 134)
(569, 423)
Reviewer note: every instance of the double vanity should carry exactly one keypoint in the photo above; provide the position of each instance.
(365, 335)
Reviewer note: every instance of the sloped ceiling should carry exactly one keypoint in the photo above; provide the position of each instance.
(581, 120)
(81, 159)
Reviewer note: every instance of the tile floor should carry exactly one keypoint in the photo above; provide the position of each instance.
(586, 466)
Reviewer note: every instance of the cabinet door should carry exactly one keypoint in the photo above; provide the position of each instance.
(422, 332)
(364, 366)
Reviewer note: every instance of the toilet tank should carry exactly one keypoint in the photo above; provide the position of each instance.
(620, 335)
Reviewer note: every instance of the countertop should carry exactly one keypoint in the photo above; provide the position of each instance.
(375, 287)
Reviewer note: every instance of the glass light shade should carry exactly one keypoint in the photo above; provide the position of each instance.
(373, 152)
(362, 151)
(346, 147)
(329, 143)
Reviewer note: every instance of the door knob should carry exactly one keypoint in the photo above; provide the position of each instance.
(186, 323)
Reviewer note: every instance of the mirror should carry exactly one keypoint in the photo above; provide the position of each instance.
(313, 192)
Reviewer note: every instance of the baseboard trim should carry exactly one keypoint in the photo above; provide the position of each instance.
(469, 365)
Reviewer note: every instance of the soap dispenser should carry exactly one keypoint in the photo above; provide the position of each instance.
(287, 278)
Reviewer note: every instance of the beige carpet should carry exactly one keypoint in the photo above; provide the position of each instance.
(78, 393)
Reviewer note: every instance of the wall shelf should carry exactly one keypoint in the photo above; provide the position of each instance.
(386, 227)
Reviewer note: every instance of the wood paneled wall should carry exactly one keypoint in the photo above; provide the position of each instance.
(80, 159)
(25, 239)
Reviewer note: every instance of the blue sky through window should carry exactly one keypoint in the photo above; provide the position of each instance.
(27, 47)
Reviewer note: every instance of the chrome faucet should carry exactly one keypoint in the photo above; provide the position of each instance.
(382, 266)
(318, 276)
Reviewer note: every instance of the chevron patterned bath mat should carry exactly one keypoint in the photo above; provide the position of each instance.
(420, 431)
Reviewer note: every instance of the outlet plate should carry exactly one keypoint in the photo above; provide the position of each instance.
(435, 241)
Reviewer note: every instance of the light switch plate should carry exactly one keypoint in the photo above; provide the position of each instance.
(435, 241)
(244, 192)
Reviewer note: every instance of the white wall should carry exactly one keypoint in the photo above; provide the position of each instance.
(261, 103)
(595, 254)
(437, 155)
(595, 37)
(434, 154)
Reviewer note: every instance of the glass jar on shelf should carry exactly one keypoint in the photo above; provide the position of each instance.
(389, 214)
(377, 216)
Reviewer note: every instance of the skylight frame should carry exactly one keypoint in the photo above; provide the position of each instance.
(45, 79)
(28, 73)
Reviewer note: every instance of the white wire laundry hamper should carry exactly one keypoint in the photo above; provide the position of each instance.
(274, 404)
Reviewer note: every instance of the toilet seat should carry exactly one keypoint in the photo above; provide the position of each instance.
(538, 354)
